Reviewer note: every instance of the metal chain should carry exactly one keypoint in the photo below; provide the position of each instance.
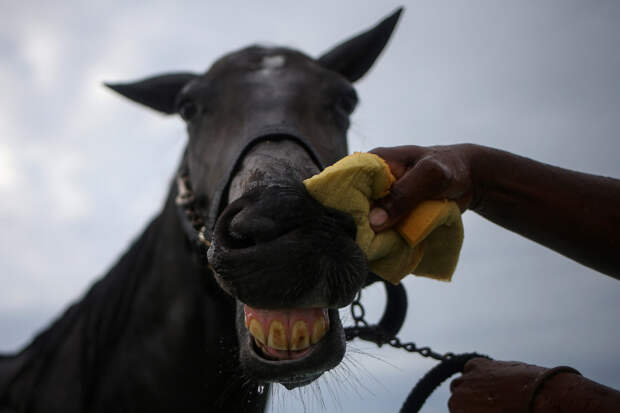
(363, 330)
(186, 200)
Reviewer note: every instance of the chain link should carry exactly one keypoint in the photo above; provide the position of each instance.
(361, 329)
(187, 200)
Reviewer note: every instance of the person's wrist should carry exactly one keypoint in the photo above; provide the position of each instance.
(547, 391)
(475, 159)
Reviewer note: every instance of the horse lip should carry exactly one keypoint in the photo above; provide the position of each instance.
(298, 382)
(325, 355)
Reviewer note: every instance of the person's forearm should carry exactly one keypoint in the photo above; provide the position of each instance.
(571, 393)
(575, 214)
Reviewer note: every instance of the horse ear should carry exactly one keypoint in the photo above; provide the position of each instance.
(353, 58)
(157, 92)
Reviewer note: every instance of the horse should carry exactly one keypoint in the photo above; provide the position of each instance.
(236, 284)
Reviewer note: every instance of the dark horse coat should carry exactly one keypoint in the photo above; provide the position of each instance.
(163, 330)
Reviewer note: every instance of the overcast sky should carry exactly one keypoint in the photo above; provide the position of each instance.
(82, 171)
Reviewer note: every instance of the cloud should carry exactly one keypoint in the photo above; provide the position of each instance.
(82, 171)
(8, 174)
(40, 49)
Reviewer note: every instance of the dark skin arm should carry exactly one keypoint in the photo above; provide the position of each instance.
(489, 386)
(573, 213)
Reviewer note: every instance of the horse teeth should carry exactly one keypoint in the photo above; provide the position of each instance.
(256, 329)
(277, 336)
(287, 329)
(300, 338)
(318, 330)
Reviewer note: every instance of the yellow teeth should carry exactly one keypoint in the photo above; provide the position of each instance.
(271, 333)
(257, 331)
(318, 330)
(300, 338)
(277, 336)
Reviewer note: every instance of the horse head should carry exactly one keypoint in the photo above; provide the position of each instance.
(259, 121)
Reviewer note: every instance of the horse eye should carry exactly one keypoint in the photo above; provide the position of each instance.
(346, 104)
(188, 110)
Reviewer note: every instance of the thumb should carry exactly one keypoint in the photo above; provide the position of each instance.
(387, 211)
(378, 218)
(424, 181)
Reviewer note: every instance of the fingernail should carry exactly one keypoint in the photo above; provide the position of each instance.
(377, 217)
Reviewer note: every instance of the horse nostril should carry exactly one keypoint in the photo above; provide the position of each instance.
(247, 229)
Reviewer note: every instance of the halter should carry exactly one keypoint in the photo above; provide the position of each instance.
(198, 227)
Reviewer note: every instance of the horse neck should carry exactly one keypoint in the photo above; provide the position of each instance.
(182, 332)
(157, 296)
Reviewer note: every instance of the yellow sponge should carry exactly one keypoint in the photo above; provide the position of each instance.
(427, 242)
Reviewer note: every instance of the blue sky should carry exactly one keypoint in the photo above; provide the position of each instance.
(82, 171)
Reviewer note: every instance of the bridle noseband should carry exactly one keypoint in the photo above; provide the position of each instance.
(199, 229)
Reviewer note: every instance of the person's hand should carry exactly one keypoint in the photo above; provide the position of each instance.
(493, 386)
(423, 173)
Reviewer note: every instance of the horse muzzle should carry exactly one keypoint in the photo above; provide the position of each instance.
(291, 263)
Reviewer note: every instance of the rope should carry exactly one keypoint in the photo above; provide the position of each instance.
(431, 380)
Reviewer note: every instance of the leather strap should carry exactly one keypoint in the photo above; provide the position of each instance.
(197, 227)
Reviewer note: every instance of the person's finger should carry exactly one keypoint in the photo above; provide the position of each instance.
(455, 383)
(424, 181)
(377, 217)
(474, 363)
(400, 158)
(455, 404)
(464, 201)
